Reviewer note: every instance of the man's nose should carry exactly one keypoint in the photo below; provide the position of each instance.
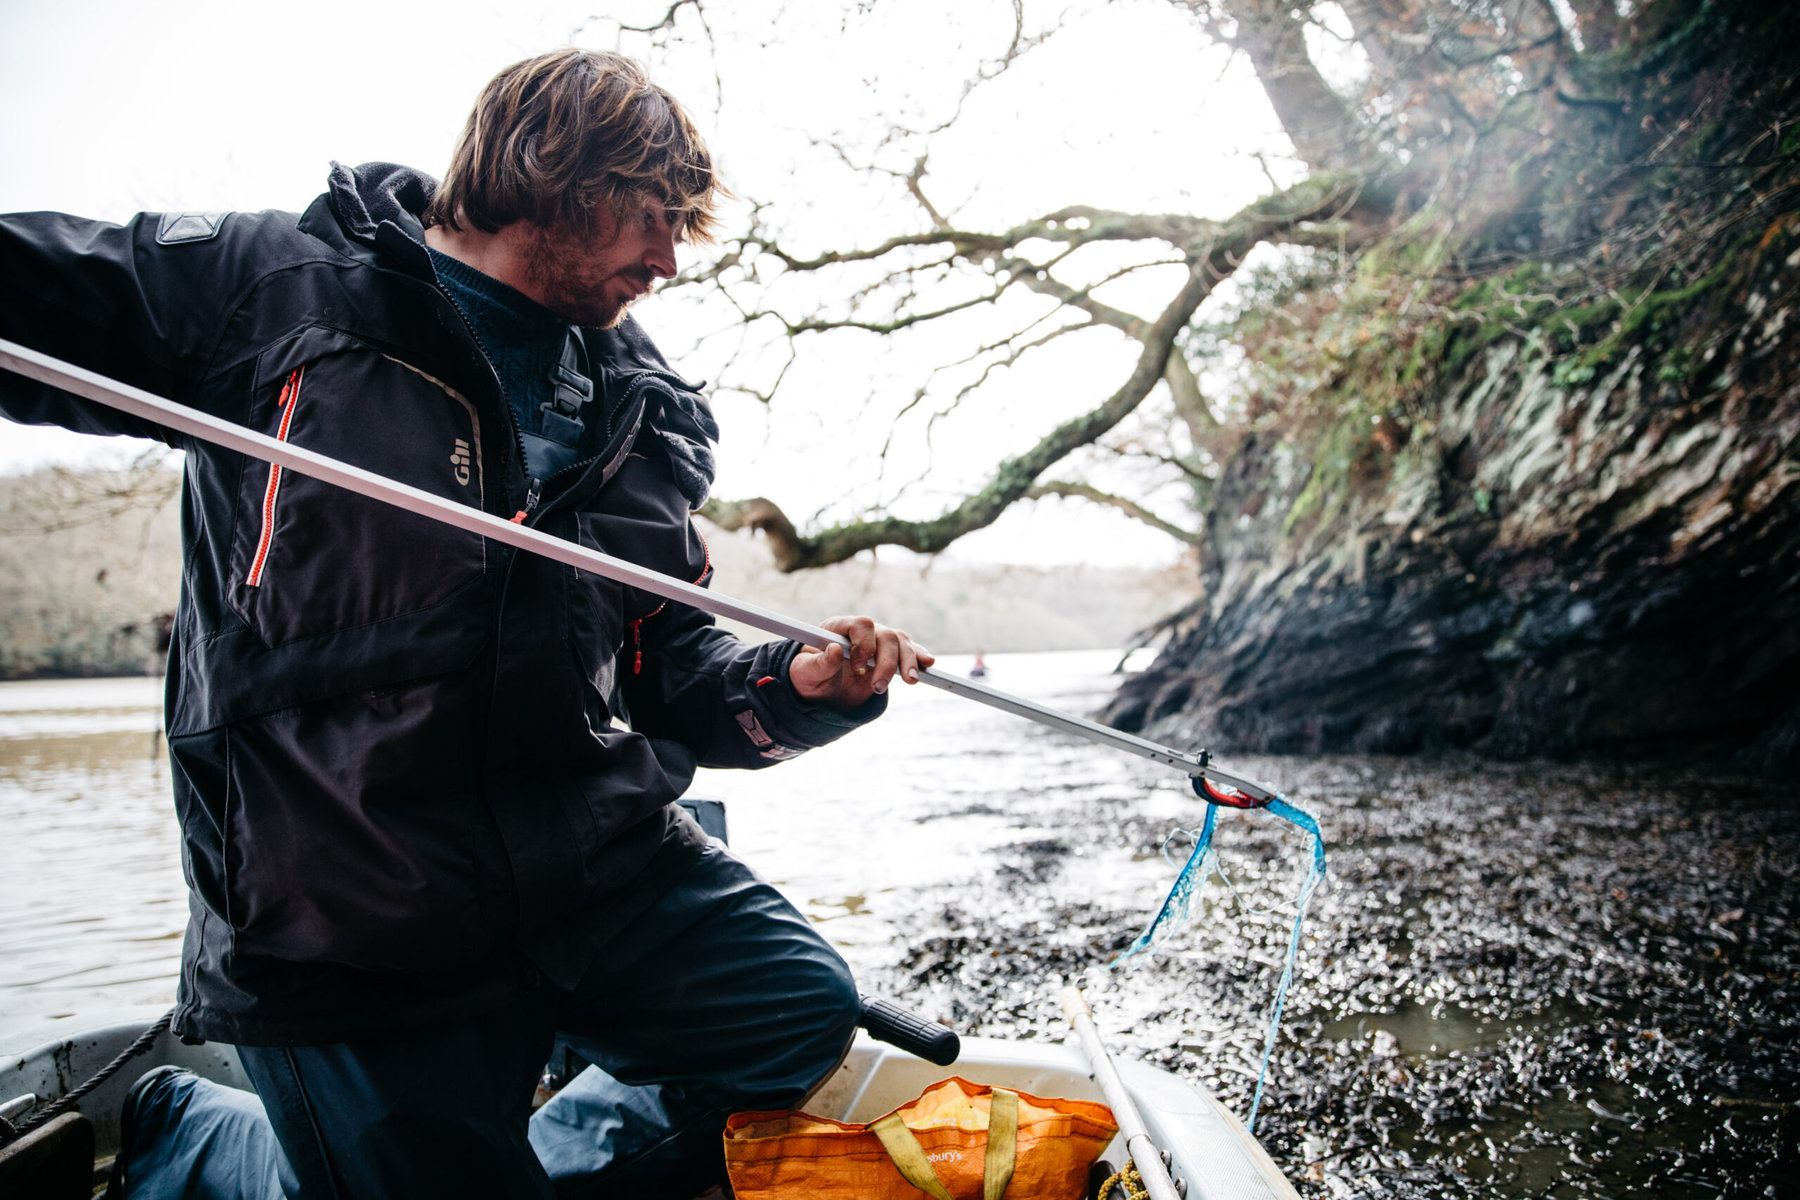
(659, 256)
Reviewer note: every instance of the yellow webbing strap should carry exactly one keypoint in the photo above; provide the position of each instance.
(909, 1156)
(997, 1168)
(1003, 1143)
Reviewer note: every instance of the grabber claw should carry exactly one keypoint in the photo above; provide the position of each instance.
(1228, 796)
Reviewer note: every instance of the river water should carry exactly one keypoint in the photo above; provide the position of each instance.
(1519, 980)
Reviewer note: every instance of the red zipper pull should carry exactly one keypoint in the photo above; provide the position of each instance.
(533, 488)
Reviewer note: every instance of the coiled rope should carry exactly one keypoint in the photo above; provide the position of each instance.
(10, 1132)
(1129, 1183)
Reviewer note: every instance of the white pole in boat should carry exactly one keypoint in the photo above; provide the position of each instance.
(139, 403)
(1143, 1151)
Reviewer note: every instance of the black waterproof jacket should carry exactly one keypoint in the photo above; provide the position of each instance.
(397, 750)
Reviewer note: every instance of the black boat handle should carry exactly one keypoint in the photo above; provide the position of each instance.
(888, 1022)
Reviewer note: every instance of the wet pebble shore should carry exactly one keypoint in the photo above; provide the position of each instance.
(1520, 980)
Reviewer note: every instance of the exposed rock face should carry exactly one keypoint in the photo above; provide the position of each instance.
(1542, 570)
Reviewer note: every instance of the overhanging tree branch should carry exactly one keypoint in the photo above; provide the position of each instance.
(1073, 226)
(1131, 508)
(1013, 478)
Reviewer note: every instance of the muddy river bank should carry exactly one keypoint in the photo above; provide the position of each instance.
(1519, 980)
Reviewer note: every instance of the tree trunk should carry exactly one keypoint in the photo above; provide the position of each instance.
(1325, 133)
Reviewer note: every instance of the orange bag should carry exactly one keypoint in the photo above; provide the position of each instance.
(958, 1141)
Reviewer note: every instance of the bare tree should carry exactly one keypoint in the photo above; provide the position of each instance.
(1453, 104)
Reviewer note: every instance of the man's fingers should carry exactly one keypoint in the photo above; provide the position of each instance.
(909, 660)
(861, 632)
(874, 656)
(887, 658)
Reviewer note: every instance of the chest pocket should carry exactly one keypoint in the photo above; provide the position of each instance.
(308, 558)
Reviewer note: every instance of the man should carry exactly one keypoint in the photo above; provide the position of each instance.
(418, 839)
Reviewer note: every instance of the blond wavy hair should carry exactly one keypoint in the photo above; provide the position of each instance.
(555, 136)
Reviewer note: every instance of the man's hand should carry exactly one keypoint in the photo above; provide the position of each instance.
(876, 655)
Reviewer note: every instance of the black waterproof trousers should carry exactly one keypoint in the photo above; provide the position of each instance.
(720, 998)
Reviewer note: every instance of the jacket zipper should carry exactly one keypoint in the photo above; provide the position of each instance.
(637, 640)
(290, 395)
(532, 486)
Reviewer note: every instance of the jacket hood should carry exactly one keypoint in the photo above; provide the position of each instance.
(364, 197)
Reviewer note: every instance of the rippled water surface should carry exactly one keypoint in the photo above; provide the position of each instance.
(91, 898)
(1519, 981)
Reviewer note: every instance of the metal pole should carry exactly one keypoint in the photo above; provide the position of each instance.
(139, 403)
(1131, 1126)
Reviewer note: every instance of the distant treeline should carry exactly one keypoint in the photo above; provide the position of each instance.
(960, 608)
(90, 566)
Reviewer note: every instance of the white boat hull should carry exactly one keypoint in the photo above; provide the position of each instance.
(1210, 1151)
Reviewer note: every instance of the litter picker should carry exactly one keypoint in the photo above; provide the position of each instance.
(1213, 783)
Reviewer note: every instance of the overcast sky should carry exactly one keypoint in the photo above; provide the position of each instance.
(116, 106)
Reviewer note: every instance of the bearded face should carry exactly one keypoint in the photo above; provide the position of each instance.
(590, 279)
